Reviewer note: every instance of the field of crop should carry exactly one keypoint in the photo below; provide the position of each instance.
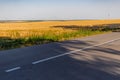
(20, 34)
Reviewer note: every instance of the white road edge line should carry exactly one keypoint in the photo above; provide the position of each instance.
(13, 69)
(53, 57)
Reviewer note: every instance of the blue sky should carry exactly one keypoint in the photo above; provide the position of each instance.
(59, 9)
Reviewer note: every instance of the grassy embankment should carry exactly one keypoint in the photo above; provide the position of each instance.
(21, 34)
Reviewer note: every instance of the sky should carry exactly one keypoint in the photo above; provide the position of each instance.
(59, 9)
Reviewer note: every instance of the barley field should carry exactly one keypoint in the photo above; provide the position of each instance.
(20, 34)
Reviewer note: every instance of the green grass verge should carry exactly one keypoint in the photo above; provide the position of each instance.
(8, 43)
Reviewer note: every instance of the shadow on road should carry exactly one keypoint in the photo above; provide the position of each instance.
(92, 64)
(99, 63)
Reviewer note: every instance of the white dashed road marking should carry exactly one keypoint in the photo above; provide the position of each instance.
(71, 52)
(57, 56)
(13, 69)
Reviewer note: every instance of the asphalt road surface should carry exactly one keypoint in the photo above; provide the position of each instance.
(91, 58)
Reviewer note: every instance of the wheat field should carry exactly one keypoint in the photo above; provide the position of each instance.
(27, 33)
(26, 29)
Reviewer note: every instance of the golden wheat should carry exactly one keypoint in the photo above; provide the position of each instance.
(26, 29)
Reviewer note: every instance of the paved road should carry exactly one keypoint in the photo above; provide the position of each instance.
(91, 58)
